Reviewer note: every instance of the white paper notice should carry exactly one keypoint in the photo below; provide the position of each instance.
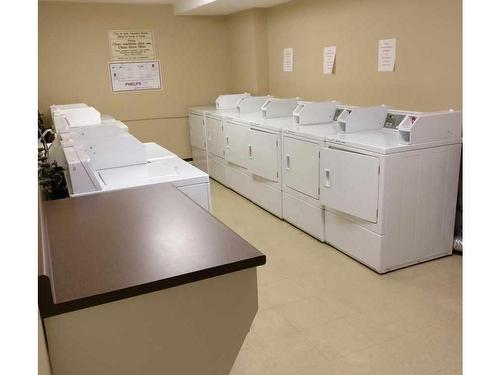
(329, 59)
(135, 76)
(288, 60)
(128, 45)
(386, 55)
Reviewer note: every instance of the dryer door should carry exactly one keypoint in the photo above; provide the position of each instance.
(236, 143)
(215, 138)
(263, 154)
(301, 166)
(350, 183)
(197, 131)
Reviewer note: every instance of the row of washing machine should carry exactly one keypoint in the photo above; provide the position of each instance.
(99, 155)
(376, 183)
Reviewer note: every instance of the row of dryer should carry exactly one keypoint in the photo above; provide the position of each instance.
(99, 155)
(376, 183)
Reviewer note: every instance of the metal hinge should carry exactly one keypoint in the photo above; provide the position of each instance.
(277, 175)
(276, 143)
(379, 170)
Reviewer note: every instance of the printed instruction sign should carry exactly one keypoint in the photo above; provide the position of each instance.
(135, 76)
(288, 60)
(329, 59)
(128, 45)
(386, 55)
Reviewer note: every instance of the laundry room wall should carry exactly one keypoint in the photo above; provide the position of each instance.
(73, 65)
(249, 59)
(428, 70)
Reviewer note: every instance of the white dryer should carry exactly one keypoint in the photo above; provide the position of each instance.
(253, 152)
(390, 193)
(214, 121)
(198, 131)
(301, 152)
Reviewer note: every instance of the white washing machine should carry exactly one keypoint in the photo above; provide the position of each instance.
(112, 163)
(390, 193)
(84, 121)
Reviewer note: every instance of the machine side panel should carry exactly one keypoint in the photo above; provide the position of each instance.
(197, 131)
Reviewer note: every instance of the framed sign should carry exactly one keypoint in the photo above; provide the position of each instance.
(127, 45)
(135, 76)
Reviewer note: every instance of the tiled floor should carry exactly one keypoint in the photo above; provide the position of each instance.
(321, 312)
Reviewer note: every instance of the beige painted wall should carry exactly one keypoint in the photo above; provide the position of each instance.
(203, 57)
(249, 59)
(74, 55)
(428, 64)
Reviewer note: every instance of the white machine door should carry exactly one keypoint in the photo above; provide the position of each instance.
(301, 166)
(349, 183)
(197, 131)
(236, 143)
(215, 138)
(263, 154)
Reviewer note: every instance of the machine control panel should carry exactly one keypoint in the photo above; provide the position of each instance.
(393, 120)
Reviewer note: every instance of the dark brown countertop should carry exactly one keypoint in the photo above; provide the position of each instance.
(103, 247)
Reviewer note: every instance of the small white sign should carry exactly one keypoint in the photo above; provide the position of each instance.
(135, 76)
(127, 45)
(288, 60)
(329, 59)
(386, 55)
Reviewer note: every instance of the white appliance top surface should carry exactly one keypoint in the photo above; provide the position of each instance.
(173, 170)
(222, 113)
(202, 109)
(381, 141)
(317, 131)
(248, 118)
(155, 152)
(255, 119)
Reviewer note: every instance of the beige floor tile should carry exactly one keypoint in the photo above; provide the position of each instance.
(306, 313)
(269, 326)
(282, 292)
(323, 313)
(256, 361)
(337, 338)
(298, 353)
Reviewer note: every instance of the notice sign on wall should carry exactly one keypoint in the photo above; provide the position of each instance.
(329, 59)
(135, 76)
(386, 55)
(128, 45)
(288, 59)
